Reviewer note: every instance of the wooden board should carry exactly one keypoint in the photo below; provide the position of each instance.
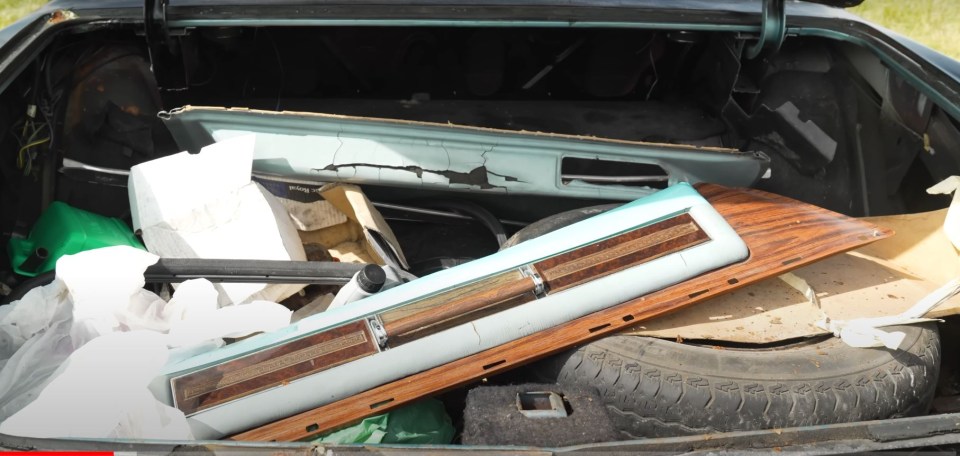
(882, 279)
(848, 286)
(782, 234)
(921, 246)
(258, 371)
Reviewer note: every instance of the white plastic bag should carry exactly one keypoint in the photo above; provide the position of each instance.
(77, 354)
(101, 392)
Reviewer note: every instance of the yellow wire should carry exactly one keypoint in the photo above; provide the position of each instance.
(20, 162)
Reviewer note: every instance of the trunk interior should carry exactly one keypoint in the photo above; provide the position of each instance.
(841, 130)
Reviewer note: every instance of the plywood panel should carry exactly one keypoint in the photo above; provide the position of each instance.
(881, 279)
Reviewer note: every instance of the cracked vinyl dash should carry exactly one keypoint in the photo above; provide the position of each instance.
(477, 177)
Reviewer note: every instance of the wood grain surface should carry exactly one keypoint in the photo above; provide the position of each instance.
(457, 306)
(620, 252)
(511, 288)
(258, 371)
(782, 234)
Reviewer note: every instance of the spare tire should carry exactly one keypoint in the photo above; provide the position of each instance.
(658, 388)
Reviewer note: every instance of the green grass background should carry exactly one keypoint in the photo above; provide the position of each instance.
(935, 23)
(11, 10)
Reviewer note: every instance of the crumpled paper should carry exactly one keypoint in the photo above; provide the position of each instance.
(76, 355)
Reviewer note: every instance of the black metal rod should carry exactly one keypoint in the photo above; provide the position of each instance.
(173, 270)
(176, 270)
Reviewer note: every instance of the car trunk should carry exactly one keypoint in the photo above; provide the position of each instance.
(525, 121)
(817, 108)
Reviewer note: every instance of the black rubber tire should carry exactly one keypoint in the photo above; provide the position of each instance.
(658, 388)
(555, 222)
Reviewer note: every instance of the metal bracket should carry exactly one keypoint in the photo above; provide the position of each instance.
(376, 327)
(166, 59)
(541, 404)
(773, 29)
(155, 22)
(539, 287)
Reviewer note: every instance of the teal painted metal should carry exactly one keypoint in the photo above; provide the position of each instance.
(773, 29)
(321, 147)
(320, 22)
(682, 195)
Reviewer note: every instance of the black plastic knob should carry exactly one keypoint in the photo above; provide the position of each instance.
(371, 278)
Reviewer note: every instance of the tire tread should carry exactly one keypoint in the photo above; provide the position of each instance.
(647, 399)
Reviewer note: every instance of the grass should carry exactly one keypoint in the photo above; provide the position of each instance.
(935, 23)
(11, 10)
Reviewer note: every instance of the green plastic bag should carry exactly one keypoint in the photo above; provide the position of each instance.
(425, 423)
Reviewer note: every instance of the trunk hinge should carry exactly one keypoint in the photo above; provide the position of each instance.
(167, 60)
(773, 29)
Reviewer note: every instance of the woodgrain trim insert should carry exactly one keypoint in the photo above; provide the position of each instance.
(258, 371)
(621, 252)
(457, 306)
(510, 289)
